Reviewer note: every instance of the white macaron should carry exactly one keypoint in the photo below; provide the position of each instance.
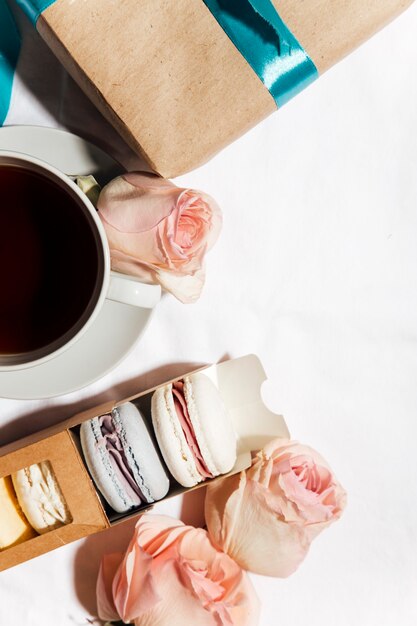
(40, 497)
(193, 429)
(122, 459)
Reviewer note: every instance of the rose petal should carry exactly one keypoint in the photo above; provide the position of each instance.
(172, 574)
(267, 517)
(134, 587)
(158, 232)
(133, 208)
(178, 605)
(105, 605)
(186, 288)
(148, 180)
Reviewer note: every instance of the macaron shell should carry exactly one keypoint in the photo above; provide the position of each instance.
(100, 467)
(141, 453)
(211, 423)
(171, 439)
(40, 497)
(14, 528)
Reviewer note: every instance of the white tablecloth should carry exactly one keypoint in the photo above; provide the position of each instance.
(316, 272)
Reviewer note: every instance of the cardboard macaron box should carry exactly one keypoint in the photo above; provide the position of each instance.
(116, 460)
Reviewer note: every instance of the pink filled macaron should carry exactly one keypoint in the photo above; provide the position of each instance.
(193, 429)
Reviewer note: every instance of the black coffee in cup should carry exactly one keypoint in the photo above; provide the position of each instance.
(50, 264)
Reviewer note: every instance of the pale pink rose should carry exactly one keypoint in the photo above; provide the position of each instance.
(172, 575)
(158, 232)
(265, 518)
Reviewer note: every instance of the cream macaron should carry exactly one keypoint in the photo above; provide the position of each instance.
(193, 429)
(40, 497)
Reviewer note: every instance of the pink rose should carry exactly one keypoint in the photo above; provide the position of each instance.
(158, 232)
(266, 518)
(172, 575)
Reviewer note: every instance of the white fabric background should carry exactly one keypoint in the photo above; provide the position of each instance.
(316, 272)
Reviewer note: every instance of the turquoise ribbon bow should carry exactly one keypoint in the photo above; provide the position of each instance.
(254, 27)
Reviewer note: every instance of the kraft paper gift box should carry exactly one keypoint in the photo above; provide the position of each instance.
(173, 83)
(239, 382)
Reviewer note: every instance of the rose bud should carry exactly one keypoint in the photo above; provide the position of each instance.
(158, 232)
(172, 575)
(266, 518)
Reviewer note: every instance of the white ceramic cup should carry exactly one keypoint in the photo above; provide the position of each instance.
(109, 284)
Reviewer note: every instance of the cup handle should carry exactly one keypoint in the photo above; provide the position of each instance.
(129, 290)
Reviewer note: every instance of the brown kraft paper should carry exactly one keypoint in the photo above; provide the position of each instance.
(169, 79)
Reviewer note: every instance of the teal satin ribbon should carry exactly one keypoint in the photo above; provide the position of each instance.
(269, 47)
(9, 52)
(33, 8)
(260, 35)
(10, 46)
(254, 27)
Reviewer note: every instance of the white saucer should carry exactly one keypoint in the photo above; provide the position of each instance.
(118, 326)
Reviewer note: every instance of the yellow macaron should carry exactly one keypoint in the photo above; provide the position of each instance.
(14, 527)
